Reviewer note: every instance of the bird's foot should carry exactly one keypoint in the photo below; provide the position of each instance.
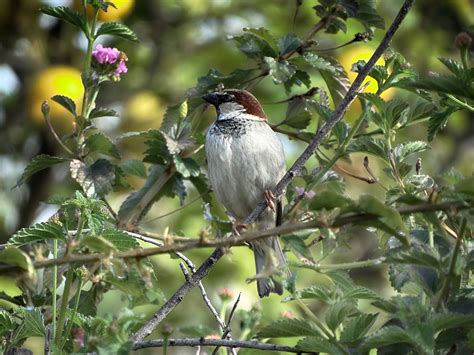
(270, 199)
(238, 228)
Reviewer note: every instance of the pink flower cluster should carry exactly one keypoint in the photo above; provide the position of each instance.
(110, 56)
(300, 192)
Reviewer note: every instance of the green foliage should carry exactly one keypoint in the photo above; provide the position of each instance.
(418, 224)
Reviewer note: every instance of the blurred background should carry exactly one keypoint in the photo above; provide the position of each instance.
(180, 40)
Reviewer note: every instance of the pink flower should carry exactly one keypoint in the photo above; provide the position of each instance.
(121, 68)
(300, 192)
(105, 55)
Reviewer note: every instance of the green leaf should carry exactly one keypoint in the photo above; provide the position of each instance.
(357, 327)
(297, 245)
(94, 179)
(32, 325)
(298, 114)
(451, 320)
(187, 167)
(373, 146)
(360, 293)
(438, 121)
(281, 70)
(320, 293)
(386, 336)
(419, 254)
(367, 14)
(121, 240)
(7, 324)
(288, 43)
(97, 243)
(254, 46)
(66, 14)
(37, 233)
(404, 150)
(318, 62)
(396, 111)
(173, 119)
(390, 216)
(329, 200)
(263, 33)
(337, 312)
(8, 286)
(16, 257)
(315, 344)
(336, 80)
(103, 112)
(116, 29)
(374, 99)
(99, 143)
(134, 167)
(157, 151)
(65, 102)
(284, 328)
(465, 186)
(40, 162)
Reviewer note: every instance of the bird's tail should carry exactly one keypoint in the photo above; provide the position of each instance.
(268, 255)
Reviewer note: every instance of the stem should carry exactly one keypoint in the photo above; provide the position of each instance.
(74, 311)
(55, 285)
(343, 266)
(444, 294)
(64, 302)
(460, 103)
(87, 65)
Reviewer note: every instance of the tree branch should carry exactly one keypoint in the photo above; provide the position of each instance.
(229, 242)
(215, 342)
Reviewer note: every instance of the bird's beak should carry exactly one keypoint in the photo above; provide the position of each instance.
(213, 98)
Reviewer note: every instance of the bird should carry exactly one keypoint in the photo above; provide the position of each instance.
(245, 161)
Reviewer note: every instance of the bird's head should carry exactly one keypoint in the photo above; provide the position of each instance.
(233, 103)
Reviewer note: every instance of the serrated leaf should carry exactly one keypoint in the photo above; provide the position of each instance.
(37, 233)
(254, 46)
(367, 14)
(263, 33)
(318, 62)
(99, 143)
(187, 167)
(121, 240)
(336, 80)
(360, 293)
(7, 323)
(284, 328)
(94, 179)
(337, 312)
(315, 344)
(202, 186)
(66, 14)
(174, 118)
(103, 112)
(390, 216)
(32, 325)
(116, 29)
(66, 102)
(404, 150)
(396, 111)
(386, 336)
(451, 320)
(288, 43)
(438, 121)
(419, 254)
(298, 247)
(38, 163)
(134, 167)
(357, 327)
(280, 70)
(373, 146)
(298, 114)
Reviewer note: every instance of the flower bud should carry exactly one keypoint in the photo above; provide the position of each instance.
(226, 294)
(463, 40)
(45, 107)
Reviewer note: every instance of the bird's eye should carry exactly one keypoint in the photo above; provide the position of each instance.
(228, 97)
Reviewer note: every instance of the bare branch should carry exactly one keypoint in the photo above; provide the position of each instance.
(215, 342)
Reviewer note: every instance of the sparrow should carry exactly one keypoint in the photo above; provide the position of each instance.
(245, 162)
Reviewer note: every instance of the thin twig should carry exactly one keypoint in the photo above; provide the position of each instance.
(241, 240)
(215, 342)
(227, 329)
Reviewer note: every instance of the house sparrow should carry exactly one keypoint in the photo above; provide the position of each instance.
(245, 161)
